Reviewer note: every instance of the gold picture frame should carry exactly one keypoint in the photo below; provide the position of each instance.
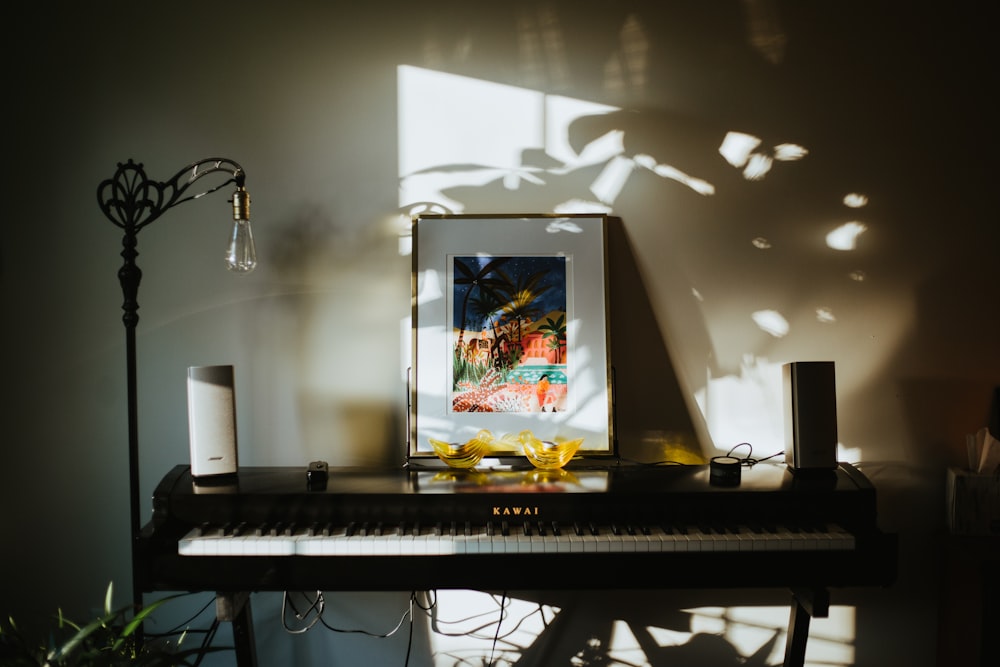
(510, 331)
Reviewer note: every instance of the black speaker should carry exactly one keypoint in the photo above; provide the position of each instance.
(212, 420)
(810, 389)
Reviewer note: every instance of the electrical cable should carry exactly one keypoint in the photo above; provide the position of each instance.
(436, 623)
(207, 641)
(496, 635)
(317, 606)
(182, 626)
(748, 460)
(384, 635)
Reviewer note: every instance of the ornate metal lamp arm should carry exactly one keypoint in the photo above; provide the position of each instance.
(131, 201)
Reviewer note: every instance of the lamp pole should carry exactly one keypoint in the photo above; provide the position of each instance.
(131, 201)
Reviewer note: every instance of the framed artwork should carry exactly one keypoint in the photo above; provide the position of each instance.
(510, 330)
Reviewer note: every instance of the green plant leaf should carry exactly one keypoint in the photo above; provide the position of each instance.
(107, 597)
(82, 635)
(144, 613)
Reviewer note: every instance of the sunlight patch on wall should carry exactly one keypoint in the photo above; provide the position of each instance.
(456, 131)
(742, 150)
(825, 316)
(772, 322)
(855, 200)
(458, 134)
(746, 407)
(845, 237)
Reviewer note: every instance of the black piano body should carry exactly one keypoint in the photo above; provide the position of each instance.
(583, 527)
(533, 504)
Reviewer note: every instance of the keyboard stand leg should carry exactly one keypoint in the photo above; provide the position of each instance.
(806, 604)
(235, 608)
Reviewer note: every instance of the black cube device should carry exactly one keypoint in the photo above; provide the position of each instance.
(316, 475)
(810, 389)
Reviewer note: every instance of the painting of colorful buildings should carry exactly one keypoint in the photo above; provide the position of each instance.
(509, 337)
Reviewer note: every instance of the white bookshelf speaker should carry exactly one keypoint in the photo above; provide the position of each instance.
(810, 389)
(212, 420)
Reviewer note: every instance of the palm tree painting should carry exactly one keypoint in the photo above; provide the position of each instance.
(509, 334)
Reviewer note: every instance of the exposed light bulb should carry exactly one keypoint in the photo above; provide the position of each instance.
(241, 255)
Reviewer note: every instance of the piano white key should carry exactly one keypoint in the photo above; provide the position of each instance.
(727, 539)
(511, 540)
(734, 538)
(796, 538)
(608, 540)
(770, 539)
(420, 543)
(654, 539)
(406, 543)
(307, 545)
(244, 544)
(688, 539)
(459, 543)
(572, 543)
(550, 543)
(714, 538)
(452, 544)
(474, 541)
(810, 539)
(353, 543)
(659, 540)
(841, 538)
(190, 544)
(463, 544)
(642, 539)
(824, 540)
(446, 544)
(538, 535)
(563, 539)
(682, 541)
(524, 537)
(785, 540)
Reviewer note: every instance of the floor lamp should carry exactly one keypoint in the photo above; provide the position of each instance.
(131, 201)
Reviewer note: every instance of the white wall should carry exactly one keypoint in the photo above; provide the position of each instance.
(306, 97)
